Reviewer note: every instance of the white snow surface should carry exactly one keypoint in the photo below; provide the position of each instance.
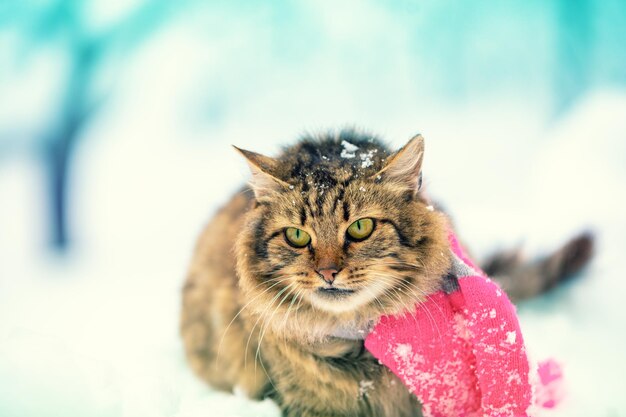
(95, 334)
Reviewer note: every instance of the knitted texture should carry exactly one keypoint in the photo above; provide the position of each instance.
(462, 354)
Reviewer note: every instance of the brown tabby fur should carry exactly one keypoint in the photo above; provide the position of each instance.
(253, 316)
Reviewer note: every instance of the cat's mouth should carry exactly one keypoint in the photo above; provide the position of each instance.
(334, 292)
(337, 299)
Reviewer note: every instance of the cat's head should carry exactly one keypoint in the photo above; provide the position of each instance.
(339, 232)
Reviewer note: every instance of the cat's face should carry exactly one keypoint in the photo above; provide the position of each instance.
(340, 231)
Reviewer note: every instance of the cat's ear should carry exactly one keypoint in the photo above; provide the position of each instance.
(264, 180)
(405, 166)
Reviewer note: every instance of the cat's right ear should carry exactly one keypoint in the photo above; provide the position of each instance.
(405, 166)
(264, 180)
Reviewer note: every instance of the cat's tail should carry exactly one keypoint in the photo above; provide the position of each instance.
(523, 279)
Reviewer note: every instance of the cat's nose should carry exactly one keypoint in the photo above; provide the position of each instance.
(328, 274)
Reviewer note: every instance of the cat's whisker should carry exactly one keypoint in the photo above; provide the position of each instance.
(420, 290)
(428, 312)
(248, 190)
(402, 307)
(268, 322)
(261, 316)
(423, 293)
(386, 279)
(400, 262)
(283, 333)
(385, 289)
(219, 349)
(298, 308)
(293, 299)
(375, 298)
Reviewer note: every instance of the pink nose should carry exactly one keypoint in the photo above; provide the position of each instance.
(328, 274)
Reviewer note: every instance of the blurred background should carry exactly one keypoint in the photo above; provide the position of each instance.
(116, 119)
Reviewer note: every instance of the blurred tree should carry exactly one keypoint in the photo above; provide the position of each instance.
(572, 70)
(69, 25)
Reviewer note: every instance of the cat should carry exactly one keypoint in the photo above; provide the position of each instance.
(288, 276)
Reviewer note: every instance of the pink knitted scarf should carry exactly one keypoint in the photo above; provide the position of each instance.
(461, 352)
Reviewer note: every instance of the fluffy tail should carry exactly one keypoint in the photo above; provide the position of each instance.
(522, 279)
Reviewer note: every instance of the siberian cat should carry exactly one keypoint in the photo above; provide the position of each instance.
(286, 278)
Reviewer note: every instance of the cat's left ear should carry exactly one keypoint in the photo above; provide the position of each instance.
(264, 173)
(405, 166)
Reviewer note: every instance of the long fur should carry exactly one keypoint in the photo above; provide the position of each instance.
(253, 316)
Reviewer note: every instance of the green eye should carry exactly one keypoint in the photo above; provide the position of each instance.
(297, 237)
(361, 229)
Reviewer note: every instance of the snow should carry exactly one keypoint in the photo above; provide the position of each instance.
(365, 387)
(511, 337)
(437, 382)
(349, 150)
(404, 351)
(366, 158)
(461, 328)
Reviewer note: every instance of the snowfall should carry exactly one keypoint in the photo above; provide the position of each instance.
(94, 332)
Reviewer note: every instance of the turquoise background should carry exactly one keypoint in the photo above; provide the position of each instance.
(115, 124)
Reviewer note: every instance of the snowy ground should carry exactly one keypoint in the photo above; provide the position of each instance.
(96, 334)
